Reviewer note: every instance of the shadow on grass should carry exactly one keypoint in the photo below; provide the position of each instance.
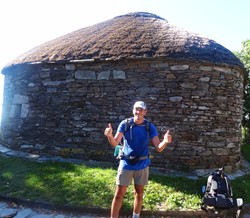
(57, 183)
(80, 185)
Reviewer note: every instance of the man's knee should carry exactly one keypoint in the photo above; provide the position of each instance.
(138, 195)
(119, 196)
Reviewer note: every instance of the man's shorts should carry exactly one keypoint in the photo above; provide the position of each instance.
(125, 177)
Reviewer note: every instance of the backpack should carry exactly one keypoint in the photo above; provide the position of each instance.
(218, 193)
(129, 125)
(118, 153)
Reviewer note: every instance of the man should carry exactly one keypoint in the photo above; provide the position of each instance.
(134, 161)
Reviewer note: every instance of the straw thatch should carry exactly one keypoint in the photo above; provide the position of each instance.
(135, 35)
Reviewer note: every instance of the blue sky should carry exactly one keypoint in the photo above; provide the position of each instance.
(28, 23)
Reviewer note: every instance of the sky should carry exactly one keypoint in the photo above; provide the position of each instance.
(25, 24)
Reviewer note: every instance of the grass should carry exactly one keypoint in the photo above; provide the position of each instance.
(58, 183)
(81, 185)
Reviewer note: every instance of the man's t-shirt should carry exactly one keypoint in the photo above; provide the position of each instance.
(138, 146)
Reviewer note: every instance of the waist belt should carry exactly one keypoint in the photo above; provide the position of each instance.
(134, 158)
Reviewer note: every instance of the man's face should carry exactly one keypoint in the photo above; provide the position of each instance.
(139, 113)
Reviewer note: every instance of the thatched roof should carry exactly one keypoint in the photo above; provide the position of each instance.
(134, 35)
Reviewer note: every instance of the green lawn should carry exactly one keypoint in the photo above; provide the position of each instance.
(81, 185)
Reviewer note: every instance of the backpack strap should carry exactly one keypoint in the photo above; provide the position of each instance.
(221, 175)
(229, 189)
(148, 127)
(129, 125)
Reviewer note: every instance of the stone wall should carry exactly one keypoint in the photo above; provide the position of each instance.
(63, 109)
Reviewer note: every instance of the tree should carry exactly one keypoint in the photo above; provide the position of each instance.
(244, 56)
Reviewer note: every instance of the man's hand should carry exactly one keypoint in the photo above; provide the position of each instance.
(108, 131)
(168, 137)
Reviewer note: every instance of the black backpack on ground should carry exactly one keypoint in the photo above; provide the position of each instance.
(218, 193)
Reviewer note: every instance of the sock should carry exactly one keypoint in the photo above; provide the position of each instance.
(135, 215)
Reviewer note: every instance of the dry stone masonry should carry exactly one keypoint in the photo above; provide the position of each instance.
(62, 109)
(57, 103)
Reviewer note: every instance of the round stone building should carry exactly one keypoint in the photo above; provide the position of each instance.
(60, 96)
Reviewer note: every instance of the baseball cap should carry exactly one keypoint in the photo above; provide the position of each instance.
(140, 104)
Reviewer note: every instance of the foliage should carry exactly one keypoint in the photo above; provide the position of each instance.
(244, 56)
(246, 151)
(81, 185)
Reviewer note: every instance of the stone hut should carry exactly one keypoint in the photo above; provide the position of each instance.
(60, 96)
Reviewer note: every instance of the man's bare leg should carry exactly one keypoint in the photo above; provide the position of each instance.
(117, 200)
